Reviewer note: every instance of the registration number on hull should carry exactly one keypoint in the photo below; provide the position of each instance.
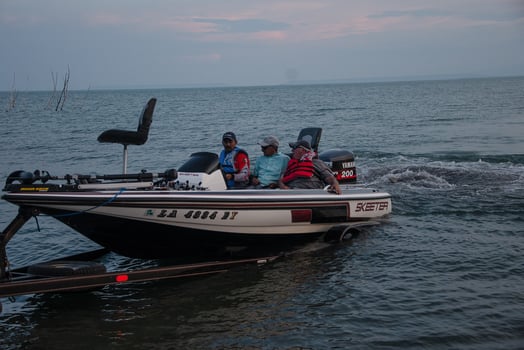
(193, 214)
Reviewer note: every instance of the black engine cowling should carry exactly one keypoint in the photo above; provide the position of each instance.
(342, 163)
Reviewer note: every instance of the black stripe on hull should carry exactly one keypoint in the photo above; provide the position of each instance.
(138, 239)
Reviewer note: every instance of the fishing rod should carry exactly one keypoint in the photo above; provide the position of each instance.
(28, 178)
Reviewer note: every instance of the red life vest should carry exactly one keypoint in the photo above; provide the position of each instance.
(298, 168)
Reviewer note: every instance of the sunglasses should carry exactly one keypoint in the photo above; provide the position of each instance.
(265, 147)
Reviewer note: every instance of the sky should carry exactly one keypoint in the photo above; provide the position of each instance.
(184, 43)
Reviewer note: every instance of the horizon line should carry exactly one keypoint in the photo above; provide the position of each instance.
(414, 78)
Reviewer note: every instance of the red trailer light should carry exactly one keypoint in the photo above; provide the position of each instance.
(121, 278)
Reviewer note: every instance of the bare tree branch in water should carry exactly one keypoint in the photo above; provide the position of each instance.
(12, 95)
(54, 77)
(59, 98)
(63, 94)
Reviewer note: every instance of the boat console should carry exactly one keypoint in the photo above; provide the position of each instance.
(200, 171)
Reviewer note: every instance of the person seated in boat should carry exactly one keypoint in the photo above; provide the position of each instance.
(269, 167)
(300, 169)
(304, 170)
(325, 174)
(234, 162)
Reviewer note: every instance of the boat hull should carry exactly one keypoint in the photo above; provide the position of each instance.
(199, 224)
(140, 239)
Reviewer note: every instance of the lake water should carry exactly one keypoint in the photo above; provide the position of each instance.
(445, 272)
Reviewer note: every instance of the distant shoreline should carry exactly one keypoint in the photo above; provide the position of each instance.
(290, 83)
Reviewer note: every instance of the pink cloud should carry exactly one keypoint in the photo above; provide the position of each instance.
(185, 25)
(304, 21)
(270, 35)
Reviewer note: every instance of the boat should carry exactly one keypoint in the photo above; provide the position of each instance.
(188, 213)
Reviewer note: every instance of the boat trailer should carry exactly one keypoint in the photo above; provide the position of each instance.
(79, 272)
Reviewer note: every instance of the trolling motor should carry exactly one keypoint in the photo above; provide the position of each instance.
(20, 178)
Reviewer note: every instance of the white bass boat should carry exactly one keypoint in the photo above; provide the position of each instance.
(188, 212)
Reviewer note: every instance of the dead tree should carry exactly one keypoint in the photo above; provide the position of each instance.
(63, 94)
(54, 77)
(11, 104)
(58, 99)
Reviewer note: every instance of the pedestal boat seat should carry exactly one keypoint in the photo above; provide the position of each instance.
(128, 137)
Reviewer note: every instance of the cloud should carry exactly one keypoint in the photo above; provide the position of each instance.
(412, 13)
(475, 12)
(243, 25)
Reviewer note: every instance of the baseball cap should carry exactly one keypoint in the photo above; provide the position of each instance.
(301, 143)
(269, 141)
(229, 136)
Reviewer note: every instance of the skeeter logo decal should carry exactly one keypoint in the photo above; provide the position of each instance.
(193, 214)
(371, 206)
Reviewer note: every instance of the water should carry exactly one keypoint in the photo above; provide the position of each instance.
(445, 272)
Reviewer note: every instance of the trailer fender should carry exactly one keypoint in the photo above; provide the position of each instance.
(60, 268)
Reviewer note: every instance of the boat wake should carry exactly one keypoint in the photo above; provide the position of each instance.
(423, 173)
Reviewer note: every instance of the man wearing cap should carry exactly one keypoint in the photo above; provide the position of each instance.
(271, 166)
(300, 170)
(234, 162)
(306, 171)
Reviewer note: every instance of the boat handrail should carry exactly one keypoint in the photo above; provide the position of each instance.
(115, 185)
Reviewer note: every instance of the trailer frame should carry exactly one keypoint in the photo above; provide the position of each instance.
(19, 281)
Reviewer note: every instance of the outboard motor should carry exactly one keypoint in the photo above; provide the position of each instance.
(342, 164)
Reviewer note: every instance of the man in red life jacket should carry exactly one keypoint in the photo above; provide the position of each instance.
(300, 169)
(306, 171)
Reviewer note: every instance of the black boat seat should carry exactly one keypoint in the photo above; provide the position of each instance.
(128, 137)
(138, 137)
(311, 135)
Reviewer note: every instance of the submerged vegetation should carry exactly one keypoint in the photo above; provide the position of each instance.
(12, 95)
(59, 98)
(56, 100)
